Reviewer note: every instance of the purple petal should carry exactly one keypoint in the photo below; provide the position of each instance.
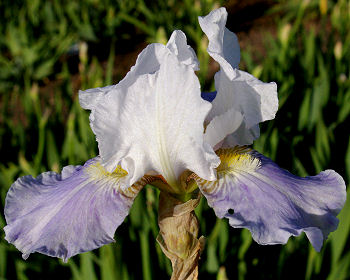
(65, 214)
(271, 202)
(208, 96)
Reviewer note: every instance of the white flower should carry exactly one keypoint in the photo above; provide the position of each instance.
(156, 126)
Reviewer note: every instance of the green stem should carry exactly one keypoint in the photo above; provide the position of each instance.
(146, 264)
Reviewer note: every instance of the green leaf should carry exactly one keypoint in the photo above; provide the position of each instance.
(44, 69)
(87, 266)
(53, 158)
(341, 271)
(339, 238)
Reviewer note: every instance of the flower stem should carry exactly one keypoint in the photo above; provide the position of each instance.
(178, 235)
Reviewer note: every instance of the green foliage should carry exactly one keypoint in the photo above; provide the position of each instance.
(50, 49)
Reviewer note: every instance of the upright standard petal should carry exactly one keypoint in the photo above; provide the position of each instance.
(62, 215)
(147, 62)
(221, 126)
(150, 59)
(89, 98)
(177, 44)
(156, 125)
(255, 100)
(236, 90)
(223, 44)
(254, 193)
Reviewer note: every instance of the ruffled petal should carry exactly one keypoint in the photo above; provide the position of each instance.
(64, 214)
(271, 202)
(88, 99)
(236, 90)
(156, 125)
(223, 44)
(177, 44)
(255, 100)
(150, 59)
(147, 62)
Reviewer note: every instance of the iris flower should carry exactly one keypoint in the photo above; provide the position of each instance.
(155, 126)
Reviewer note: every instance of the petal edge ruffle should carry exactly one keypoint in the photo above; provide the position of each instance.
(63, 215)
(156, 125)
(236, 90)
(271, 202)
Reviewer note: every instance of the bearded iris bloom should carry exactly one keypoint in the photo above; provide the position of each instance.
(155, 126)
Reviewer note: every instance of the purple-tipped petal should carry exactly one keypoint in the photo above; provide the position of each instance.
(271, 202)
(62, 215)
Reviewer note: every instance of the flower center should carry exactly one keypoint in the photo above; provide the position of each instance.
(237, 159)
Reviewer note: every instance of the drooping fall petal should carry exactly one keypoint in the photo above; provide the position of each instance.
(65, 214)
(255, 193)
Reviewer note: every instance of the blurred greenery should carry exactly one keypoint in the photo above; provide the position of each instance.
(50, 49)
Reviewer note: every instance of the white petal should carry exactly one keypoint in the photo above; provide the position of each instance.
(249, 87)
(242, 136)
(223, 44)
(177, 44)
(147, 62)
(222, 125)
(88, 99)
(255, 100)
(236, 90)
(156, 125)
